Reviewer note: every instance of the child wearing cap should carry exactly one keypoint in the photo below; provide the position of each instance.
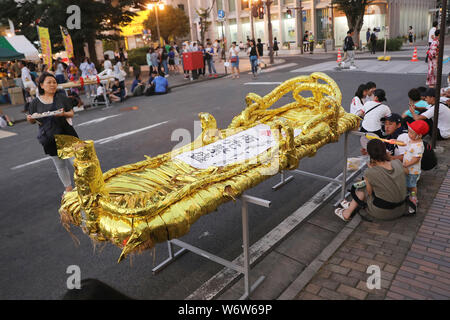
(413, 155)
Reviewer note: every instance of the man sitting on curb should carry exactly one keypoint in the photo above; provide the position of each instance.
(443, 127)
(160, 85)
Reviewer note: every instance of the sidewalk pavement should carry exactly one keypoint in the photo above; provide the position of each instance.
(175, 80)
(325, 258)
(413, 253)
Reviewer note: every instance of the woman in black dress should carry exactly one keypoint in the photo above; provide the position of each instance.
(275, 46)
(50, 99)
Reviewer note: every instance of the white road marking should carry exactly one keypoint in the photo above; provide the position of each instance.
(5, 134)
(97, 120)
(30, 163)
(260, 83)
(121, 135)
(100, 141)
(283, 66)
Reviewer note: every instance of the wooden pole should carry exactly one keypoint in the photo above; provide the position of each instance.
(269, 21)
(300, 16)
(439, 72)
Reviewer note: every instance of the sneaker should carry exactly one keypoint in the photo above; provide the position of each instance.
(10, 124)
(416, 202)
(352, 67)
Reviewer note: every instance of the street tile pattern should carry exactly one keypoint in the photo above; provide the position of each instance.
(425, 273)
(394, 247)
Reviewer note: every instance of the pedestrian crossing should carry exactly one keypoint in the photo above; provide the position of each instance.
(5, 134)
(375, 66)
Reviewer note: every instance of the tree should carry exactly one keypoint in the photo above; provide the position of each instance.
(168, 28)
(203, 14)
(97, 18)
(354, 11)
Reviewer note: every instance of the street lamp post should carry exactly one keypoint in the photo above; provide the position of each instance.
(268, 3)
(158, 6)
(250, 5)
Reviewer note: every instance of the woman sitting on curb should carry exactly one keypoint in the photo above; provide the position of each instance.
(383, 192)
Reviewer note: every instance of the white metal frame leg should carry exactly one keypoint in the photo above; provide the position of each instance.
(283, 181)
(245, 269)
(170, 259)
(344, 172)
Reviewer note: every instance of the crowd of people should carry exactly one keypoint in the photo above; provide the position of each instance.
(398, 150)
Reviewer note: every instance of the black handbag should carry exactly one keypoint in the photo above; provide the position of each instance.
(53, 125)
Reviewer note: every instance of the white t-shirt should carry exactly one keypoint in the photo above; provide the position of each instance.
(356, 105)
(372, 120)
(404, 137)
(26, 75)
(107, 65)
(444, 119)
(59, 69)
(431, 33)
(234, 52)
(118, 71)
(100, 90)
(414, 150)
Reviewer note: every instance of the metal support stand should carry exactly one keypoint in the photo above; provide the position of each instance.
(282, 182)
(245, 269)
(343, 182)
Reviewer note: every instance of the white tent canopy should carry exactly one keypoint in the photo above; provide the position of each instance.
(23, 45)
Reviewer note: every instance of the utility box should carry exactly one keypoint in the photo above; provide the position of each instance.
(16, 95)
(193, 60)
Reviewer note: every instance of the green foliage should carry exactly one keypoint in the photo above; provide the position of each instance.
(108, 45)
(53, 13)
(138, 57)
(391, 44)
(354, 11)
(173, 23)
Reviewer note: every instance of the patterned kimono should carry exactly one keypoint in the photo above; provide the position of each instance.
(433, 53)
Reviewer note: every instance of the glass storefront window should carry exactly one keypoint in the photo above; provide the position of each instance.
(220, 5)
(289, 29)
(323, 24)
(232, 5)
(233, 31)
(259, 30)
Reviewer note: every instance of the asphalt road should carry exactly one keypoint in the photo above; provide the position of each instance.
(36, 250)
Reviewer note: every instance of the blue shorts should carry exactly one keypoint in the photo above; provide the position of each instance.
(411, 180)
(235, 64)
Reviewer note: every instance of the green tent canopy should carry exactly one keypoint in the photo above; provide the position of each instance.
(20, 44)
(7, 54)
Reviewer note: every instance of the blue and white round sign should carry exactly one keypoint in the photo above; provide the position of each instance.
(221, 14)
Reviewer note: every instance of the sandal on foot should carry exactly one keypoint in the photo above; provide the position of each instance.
(344, 204)
(340, 213)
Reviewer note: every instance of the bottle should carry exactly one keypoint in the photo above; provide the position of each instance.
(413, 199)
(360, 184)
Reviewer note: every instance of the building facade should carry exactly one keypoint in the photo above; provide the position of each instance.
(317, 16)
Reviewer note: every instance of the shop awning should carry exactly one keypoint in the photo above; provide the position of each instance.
(7, 54)
(20, 44)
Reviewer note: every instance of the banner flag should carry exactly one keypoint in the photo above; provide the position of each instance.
(46, 46)
(67, 42)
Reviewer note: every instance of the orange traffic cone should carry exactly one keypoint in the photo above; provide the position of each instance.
(414, 58)
(339, 57)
